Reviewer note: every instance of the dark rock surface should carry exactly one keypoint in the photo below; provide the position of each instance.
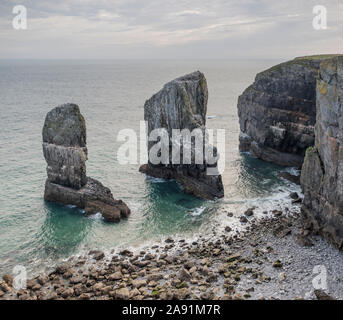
(64, 146)
(322, 171)
(65, 150)
(277, 112)
(290, 177)
(182, 104)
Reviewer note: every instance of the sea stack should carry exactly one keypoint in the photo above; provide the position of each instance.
(322, 171)
(277, 113)
(182, 104)
(65, 151)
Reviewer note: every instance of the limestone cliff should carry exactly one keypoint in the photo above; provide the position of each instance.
(322, 171)
(64, 146)
(277, 112)
(65, 151)
(182, 104)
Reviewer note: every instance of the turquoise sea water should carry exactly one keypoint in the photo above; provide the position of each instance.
(111, 95)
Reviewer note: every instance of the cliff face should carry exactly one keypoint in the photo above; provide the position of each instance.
(182, 104)
(277, 112)
(64, 146)
(322, 171)
(65, 151)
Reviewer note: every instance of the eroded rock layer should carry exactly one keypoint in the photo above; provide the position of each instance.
(322, 171)
(65, 151)
(277, 112)
(64, 146)
(182, 104)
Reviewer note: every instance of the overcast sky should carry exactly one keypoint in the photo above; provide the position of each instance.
(110, 29)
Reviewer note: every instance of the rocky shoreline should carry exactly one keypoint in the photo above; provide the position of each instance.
(273, 258)
(292, 116)
(277, 256)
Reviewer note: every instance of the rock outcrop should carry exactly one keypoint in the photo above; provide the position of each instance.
(182, 104)
(322, 171)
(277, 112)
(65, 151)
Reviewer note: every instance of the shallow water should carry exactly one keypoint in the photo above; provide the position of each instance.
(111, 95)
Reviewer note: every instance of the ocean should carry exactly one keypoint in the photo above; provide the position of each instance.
(111, 95)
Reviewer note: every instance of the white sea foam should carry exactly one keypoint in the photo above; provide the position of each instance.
(97, 216)
(293, 171)
(197, 211)
(263, 207)
(155, 180)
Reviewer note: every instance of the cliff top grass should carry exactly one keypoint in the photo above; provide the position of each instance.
(318, 57)
(305, 61)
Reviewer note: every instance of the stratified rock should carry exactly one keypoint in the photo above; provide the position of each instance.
(182, 104)
(64, 146)
(277, 112)
(322, 171)
(65, 150)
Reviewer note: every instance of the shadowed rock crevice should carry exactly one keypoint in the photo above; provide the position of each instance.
(182, 104)
(65, 151)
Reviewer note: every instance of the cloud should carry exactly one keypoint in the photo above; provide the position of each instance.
(186, 13)
(170, 29)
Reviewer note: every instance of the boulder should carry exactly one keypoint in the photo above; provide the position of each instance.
(184, 275)
(111, 212)
(122, 294)
(322, 295)
(182, 104)
(277, 113)
(97, 254)
(65, 151)
(8, 279)
(249, 212)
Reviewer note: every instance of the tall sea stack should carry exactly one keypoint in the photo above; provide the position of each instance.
(322, 171)
(277, 113)
(182, 104)
(65, 151)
